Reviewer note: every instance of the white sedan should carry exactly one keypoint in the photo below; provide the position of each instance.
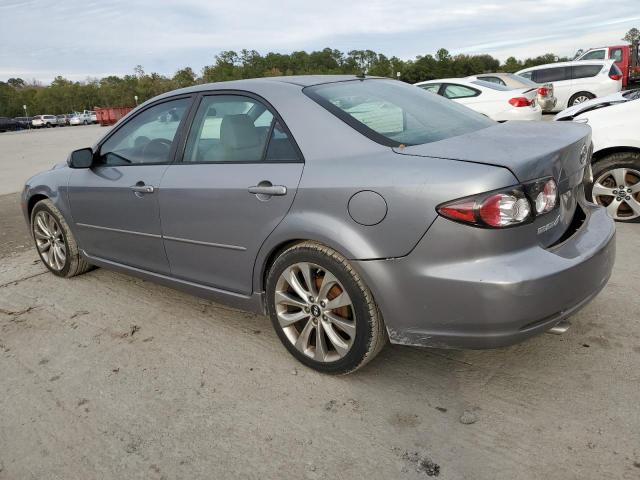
(615, 126)
(495, 101)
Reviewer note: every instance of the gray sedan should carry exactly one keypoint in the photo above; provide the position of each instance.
(351, 210)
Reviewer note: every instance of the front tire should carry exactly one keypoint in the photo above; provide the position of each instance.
(610, 174)
(55, 243)
(322, 311)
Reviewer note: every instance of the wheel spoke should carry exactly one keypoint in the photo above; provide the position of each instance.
(328, 281)
(287, 319)
(601, 190)
(292, 280)
(619, 175)
(302, 343)
(39, 234)
(305, 269)
(633, 203)
(341, 300)
(44, 246)
(321, 345)
(336, 340)
(612, 208)
(285, 298)
(635, 188)
(348, 327)
(40, 221)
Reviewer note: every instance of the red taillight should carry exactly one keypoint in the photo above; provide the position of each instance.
(615, 76)
(463, 211)
(544, 91)
(520, 102)
(510, 207)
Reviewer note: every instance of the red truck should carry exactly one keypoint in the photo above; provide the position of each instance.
(625, 56)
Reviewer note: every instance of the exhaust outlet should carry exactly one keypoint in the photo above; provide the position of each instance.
(559, 328)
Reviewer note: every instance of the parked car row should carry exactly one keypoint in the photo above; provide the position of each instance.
(529, 92)
(75, 118)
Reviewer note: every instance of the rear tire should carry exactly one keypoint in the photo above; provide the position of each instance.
(55, 243)
(302, 284)
(580, 97)
(608, 173)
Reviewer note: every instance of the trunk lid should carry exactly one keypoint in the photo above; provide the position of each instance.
(530, 150)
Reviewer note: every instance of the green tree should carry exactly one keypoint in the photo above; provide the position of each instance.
(632, 36)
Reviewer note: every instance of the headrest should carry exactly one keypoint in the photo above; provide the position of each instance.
(238, 131)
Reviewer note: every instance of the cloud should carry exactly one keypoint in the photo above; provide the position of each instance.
(92, 38)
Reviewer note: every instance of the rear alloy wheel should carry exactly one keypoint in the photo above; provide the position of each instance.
(617, 186)
(580, 97)
(322, 311)
(55, 242)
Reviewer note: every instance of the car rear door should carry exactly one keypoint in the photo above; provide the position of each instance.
(227, 192)
(114, 203)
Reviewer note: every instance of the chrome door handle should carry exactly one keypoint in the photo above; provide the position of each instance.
(268, 190)
(143, 189)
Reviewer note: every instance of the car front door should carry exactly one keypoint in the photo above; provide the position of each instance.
(114, 203)
(233, 184)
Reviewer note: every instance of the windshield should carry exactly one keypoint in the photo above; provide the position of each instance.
(632, 94)
(394, 113)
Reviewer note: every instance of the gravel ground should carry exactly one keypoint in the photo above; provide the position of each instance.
(108, 376)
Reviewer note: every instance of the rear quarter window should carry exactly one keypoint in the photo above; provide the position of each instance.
(585, 71)
(553, 74)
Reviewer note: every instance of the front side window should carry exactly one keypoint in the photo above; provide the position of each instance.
(147, 138)
(394, 113)
(594, 55)
(616, 55)
(586, 71)
(459, 91)
(235, 128)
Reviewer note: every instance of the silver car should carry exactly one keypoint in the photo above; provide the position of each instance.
(351, 210)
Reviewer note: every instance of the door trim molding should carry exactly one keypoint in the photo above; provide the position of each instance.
(118, 230)
(206, 244)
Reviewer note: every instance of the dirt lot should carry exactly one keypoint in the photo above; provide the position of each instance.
(107, 376)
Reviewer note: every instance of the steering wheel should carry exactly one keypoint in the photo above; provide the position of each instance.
(157, 148)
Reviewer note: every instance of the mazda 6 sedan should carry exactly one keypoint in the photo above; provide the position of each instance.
(351, 210)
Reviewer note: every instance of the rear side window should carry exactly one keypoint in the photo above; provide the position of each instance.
(237, 129)
(393, 113)
(459, 91)
(585, 71)
(595, 55)
(527, 75)
(554, 74)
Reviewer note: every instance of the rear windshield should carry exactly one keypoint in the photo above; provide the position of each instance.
(525, 81)
(394, 113)
(491, 85)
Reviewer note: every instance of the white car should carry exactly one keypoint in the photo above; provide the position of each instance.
(79, 119)
(493, 100)
(578, 81)
(615, 126)
(91, 115)
(545, 97)
(41, 121)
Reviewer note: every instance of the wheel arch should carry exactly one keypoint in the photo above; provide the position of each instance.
(605, 152)
(33, 199)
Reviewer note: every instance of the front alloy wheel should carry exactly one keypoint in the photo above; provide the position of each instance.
(49, 240)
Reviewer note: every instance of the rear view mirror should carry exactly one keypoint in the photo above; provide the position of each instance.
(82, 158)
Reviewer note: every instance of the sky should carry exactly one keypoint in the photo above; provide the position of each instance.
(40, 39)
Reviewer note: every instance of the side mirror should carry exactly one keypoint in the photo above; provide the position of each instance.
(82, 158)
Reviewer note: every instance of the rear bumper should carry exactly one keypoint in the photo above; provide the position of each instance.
(520, 113)
(451, 292)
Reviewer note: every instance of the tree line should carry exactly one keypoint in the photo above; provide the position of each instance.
(64, 96)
